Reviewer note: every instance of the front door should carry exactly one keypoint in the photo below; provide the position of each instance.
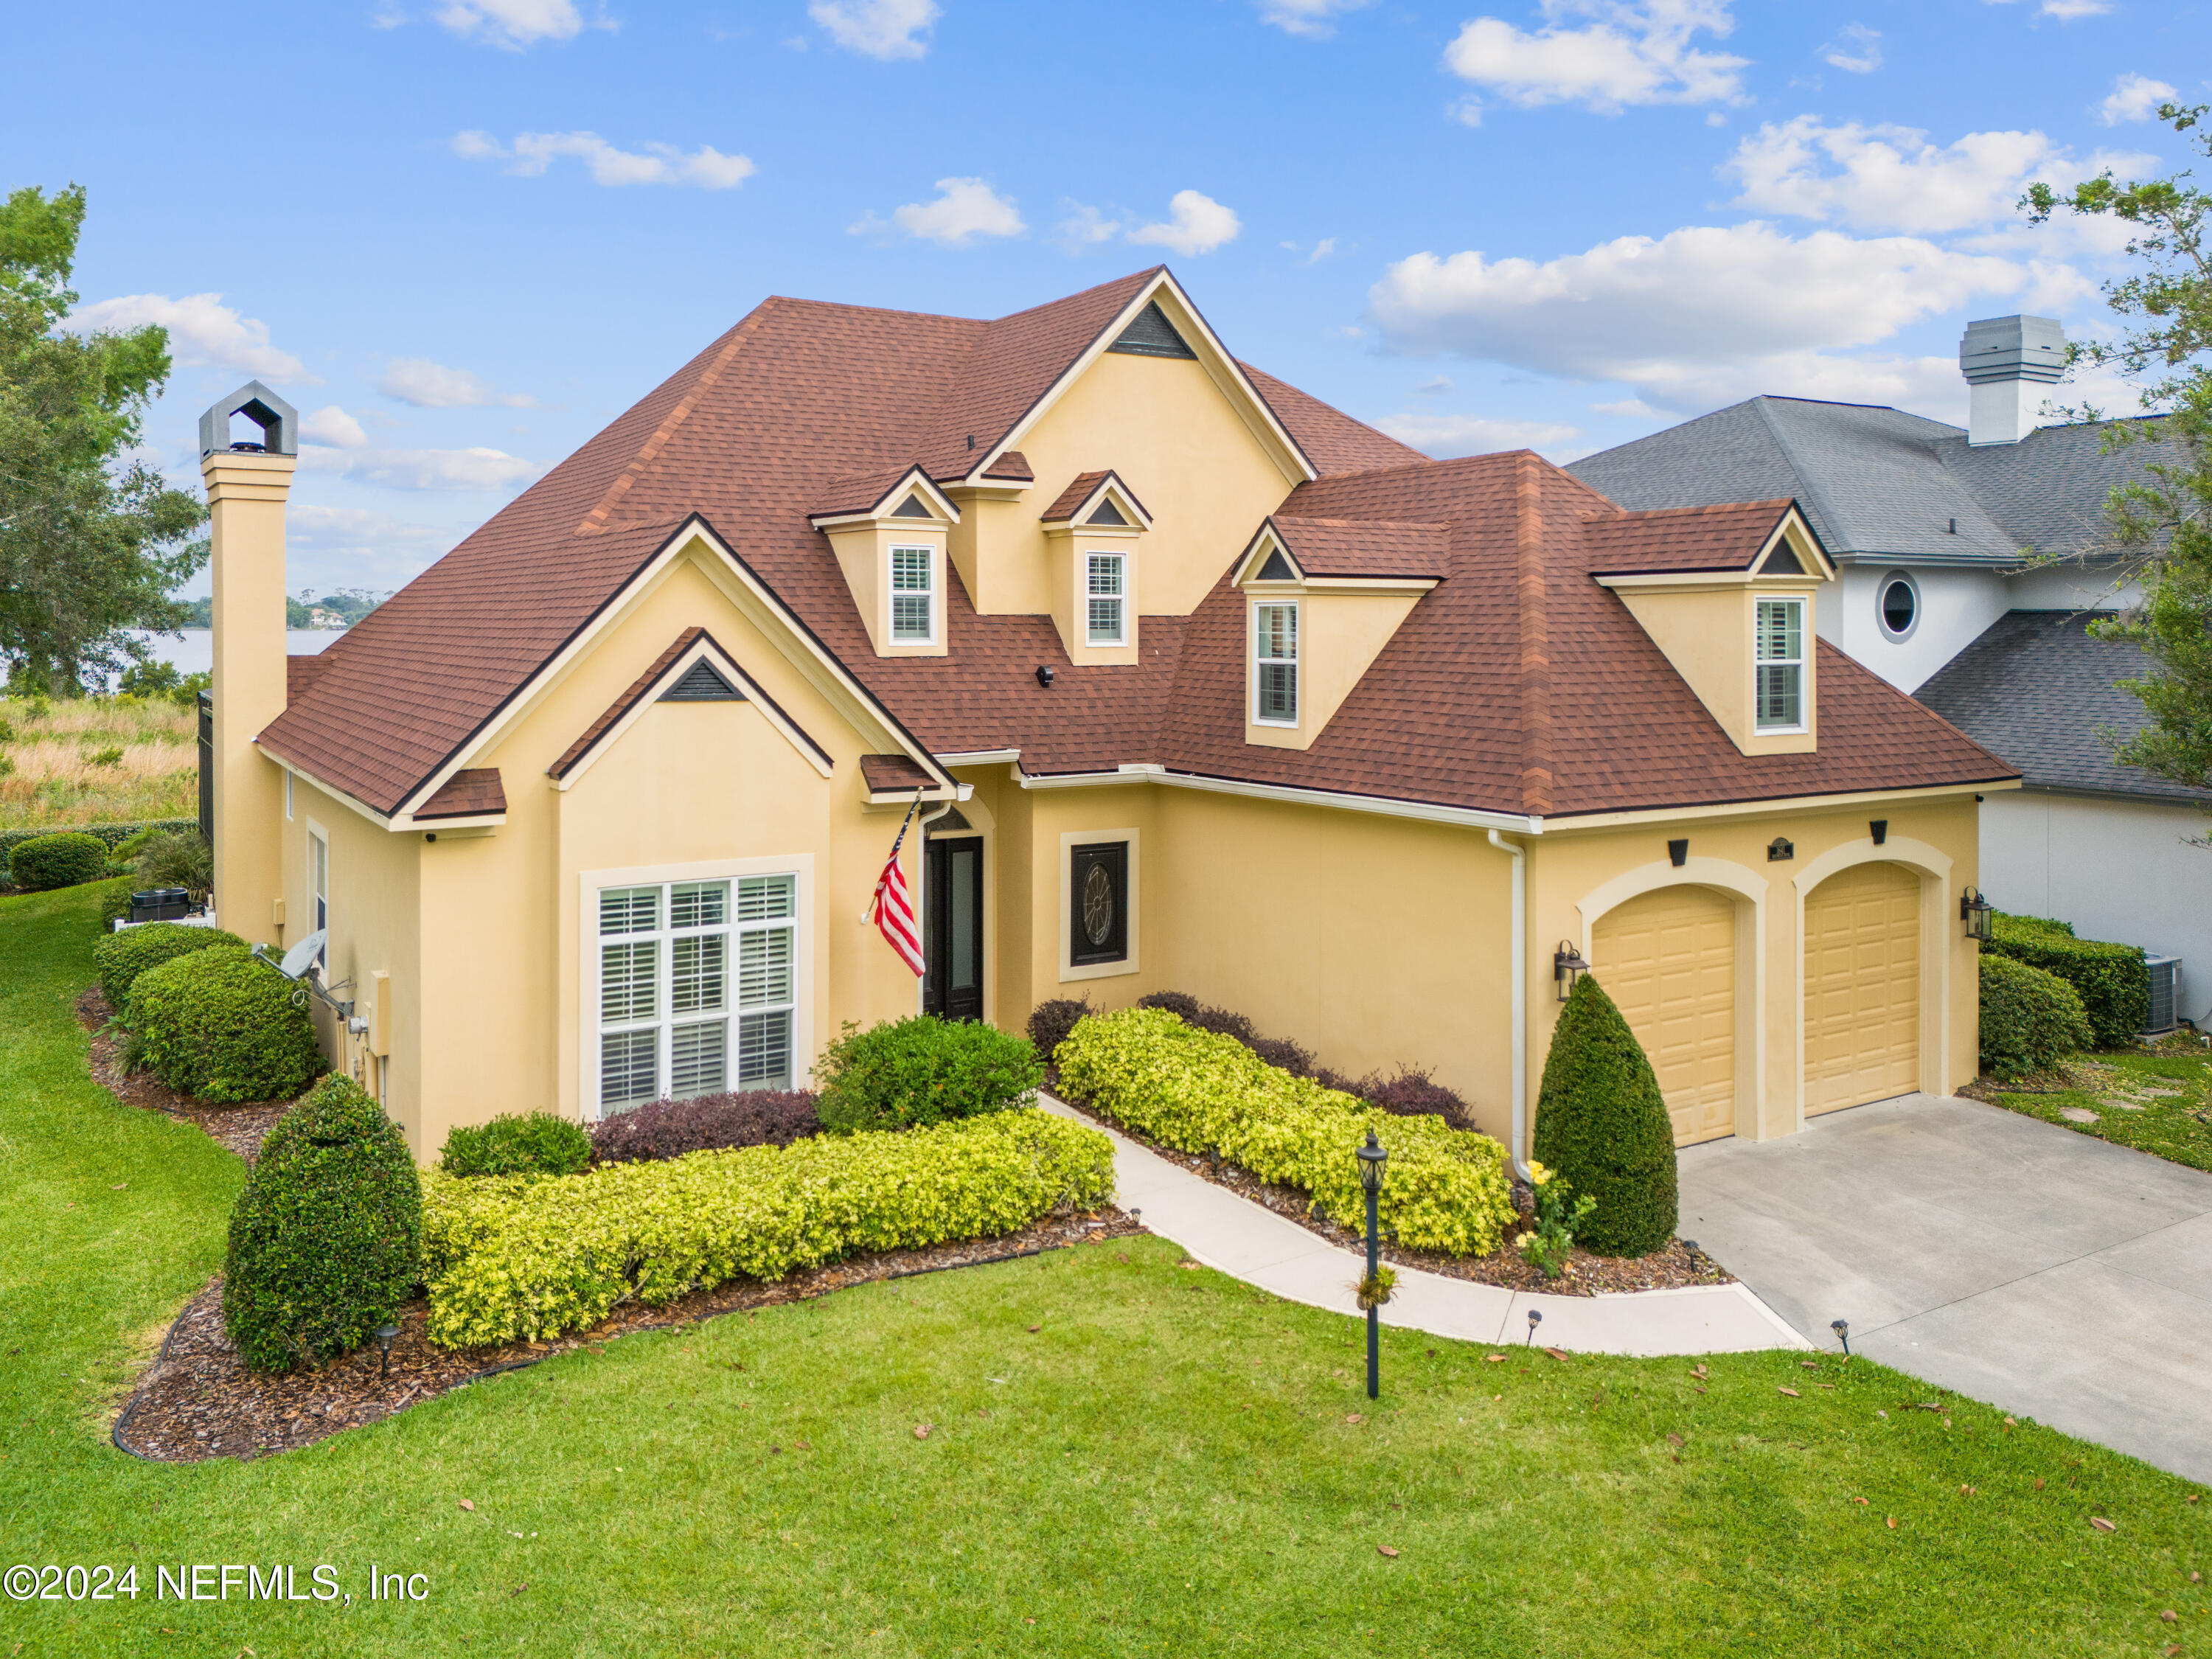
(952, 928)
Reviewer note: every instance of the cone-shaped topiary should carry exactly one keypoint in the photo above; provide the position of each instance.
(326, 1241)
(1601, 1125)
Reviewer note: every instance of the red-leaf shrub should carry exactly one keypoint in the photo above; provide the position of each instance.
(670, 1128)
(1051, 1022)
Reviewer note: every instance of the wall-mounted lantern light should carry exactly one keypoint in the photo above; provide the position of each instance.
(1975, 911)
(1567, 964)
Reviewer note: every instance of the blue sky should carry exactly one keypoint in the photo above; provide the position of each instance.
(462, 235)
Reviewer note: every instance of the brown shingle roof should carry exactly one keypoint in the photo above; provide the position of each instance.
(1682, 539)
(885, 773)
(466, 794)
(299, 672)
(622, 705)
(1354, 547)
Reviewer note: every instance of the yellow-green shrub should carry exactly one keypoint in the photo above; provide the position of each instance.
(516, 1256)
(1444, 1188)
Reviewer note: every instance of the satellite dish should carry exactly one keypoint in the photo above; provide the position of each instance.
(304, 954)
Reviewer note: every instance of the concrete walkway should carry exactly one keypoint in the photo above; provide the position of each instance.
(2052, 1274)
(1250, 1242)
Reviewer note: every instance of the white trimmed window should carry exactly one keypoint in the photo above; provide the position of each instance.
(913, 595)
(1780, 640)
(1275, 664)
(698, 983)
(318, 889)
(1105, 597)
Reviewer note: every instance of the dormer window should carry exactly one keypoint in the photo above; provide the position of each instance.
(1105, 596)
(1275, 664)
(1780, 632)
(913, 595)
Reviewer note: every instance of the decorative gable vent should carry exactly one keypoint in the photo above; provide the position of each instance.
(1783, 563)
(912, 508)
(1151, 336)
(1107, 514)
(703, 683)
(1277, 569)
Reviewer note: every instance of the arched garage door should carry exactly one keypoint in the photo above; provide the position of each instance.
(1861, 987)
(1667, 960)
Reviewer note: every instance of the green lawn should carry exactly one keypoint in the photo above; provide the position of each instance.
(1165, 1466)
(2155, 1102)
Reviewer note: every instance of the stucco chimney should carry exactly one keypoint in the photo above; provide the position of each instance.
(247, 484)
(2008, 361)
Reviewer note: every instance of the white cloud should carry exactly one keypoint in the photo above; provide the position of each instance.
(421, 469)
(2135, 98)
(1196, 223)
(532, 153)
(1444, 435)
(202, 330)
(963, 209)
(1313, 19)
(1633, 407)
(333, 426)
(2065, 10)
(1857, 50)
(509, 24)
(1435, 385)
(1887, 177)
(1636, 51)
(1467, 111)
(1085, 227)
(877, 28)
(426, 384)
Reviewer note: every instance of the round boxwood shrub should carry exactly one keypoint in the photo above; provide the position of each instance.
(2031, 1019)
(220, 1026)
(121, 957)
(909, 1073)
(326, 1240)
(68, 860)
(1601, 1124)
(540, 1144)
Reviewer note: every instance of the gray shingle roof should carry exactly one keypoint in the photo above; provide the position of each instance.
(2035, 688)
(1877, 482)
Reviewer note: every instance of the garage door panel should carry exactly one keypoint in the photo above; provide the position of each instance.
(1861, 987)
(1667, 960)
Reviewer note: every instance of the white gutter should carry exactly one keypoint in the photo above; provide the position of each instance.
(1381, 805)
(1520, 1085)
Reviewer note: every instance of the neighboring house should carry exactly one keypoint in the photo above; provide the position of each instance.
(1971, 564)
(1198, 684)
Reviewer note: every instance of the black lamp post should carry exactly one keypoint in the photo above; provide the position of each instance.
(1372, 1158)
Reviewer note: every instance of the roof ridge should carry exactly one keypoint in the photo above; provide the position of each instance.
(1148, 272)
(1535, 659)
(1805, 494)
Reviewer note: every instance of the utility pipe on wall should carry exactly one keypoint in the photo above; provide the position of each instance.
(1514, 1148)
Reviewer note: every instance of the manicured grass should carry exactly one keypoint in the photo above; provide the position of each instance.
(1165, 1466)
(2156, 1103)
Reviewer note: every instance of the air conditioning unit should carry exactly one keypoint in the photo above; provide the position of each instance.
(2165, 981)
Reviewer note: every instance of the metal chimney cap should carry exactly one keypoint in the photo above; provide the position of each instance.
(278, 421)
(2013, 348)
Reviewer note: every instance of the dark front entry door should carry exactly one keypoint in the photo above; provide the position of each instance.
(952, 929)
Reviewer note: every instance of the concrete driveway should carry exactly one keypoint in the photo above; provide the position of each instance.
(2049, 1274)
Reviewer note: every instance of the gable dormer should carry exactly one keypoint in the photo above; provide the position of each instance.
(1727, 594)
(1322, 597)
(889, 532)
(1091, 534)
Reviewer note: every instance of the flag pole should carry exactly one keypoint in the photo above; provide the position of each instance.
(868, 914)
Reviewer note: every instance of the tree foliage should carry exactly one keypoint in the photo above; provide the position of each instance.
(92, 539)
(2164, 519)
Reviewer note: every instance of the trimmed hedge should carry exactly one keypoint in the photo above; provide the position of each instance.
(908, 1074)
(220, 1026)
(2111, 981)
(112, 835)
(1201, 1092)
(538, 1144)
(670, 1129)
(326, 1242)
(121, 957)
(1601, 1125)
(68, 859)
(516, 1256)
(2032, 1020)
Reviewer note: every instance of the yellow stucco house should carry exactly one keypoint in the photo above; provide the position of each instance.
(1201, 684)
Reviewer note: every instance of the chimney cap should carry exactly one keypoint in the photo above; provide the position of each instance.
(278, 421)
(2013, 348)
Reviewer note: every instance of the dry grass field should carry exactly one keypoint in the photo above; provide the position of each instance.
(97, 760)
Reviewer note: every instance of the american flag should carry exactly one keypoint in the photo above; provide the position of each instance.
(892, 908)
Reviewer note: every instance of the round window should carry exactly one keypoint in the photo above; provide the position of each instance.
(1901, 604)
(1098, 904)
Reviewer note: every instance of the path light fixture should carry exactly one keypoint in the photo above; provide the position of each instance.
(385, 1333)
(1535, 1318)
(1842, 1327)
(1372, 1158)
(1975, 911)
(1567, 966)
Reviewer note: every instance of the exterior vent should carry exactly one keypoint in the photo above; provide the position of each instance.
(912, 508)
(2165, 972)
(1107, 514)
(703, 683)
(1151, 336)
(1277, 569)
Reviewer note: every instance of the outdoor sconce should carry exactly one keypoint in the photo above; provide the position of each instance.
(1975, 910)
(1372, 1157)
(384, 1336)
(1567, 965)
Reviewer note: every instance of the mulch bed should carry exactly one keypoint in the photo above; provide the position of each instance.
(1675, 1266)
(239, 1129)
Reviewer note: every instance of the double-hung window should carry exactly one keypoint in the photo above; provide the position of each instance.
(1275, 664)
(318, 891)
(913, 595)
(1104, 596)
(1779, 635)
(698, 988)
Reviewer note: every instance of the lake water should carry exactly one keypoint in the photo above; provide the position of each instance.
(194, 653)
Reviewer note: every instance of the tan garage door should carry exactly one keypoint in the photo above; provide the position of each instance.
(1861, 987)
(1667, 960)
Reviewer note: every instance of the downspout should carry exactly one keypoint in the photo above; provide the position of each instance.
(921, 890)
(1520, 1086)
